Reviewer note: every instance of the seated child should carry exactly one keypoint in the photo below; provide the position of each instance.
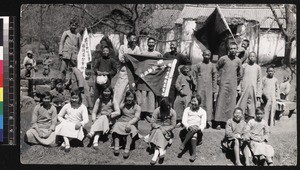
(257, 131)
(234, 139)
(104, 110)
(126, 124)
(44, 119)
(194, 122)
(73, 116)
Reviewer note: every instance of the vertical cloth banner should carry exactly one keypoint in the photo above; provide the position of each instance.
(157, 73)
(214, 33)
(84, 54)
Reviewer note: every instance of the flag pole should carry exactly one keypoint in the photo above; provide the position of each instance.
(223, 18)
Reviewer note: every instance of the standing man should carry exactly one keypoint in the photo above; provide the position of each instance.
(230, 74)
(145, 96)
(181, 60)
(122, 82)
(206, 77)
(69, 46)
(251, 87)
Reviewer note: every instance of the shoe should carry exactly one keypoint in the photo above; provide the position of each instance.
(62, 146)
(238, 164)
(218, 127)
(116, 152)
(193, 158)
(169, 143)
(95, 146)
(126, 154)
(153, 162)
(67, 149)
(161, 159)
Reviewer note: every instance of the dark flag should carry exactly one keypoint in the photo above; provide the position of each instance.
(156, 73)
(213, 34)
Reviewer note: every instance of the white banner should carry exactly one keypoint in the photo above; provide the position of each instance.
(84, 54)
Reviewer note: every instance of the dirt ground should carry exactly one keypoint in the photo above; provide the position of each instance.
(283, 138)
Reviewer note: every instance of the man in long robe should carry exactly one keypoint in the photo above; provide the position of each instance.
(251, 87)
(181, 60)
(206, 77)
(230, 73)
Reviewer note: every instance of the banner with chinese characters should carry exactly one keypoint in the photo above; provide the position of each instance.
(156, 73)
(84, 54)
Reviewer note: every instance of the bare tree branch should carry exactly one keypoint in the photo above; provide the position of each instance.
(136, 12)
(79, 7)
(104, 23)
(128, 9)
(277, 20)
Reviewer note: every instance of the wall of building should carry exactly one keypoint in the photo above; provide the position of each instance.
(271, 44)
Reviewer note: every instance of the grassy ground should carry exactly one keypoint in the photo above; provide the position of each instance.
(283, 138)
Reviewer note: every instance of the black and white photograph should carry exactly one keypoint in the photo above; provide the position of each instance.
(158, 84)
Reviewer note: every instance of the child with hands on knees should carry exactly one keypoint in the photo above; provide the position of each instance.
(105, 109)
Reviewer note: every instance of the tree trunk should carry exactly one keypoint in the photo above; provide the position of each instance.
(41, 30)
(289, 38)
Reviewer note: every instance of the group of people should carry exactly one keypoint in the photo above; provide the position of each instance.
(201, 95)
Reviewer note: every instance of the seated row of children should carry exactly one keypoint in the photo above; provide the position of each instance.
(251, 138)
(73, 116)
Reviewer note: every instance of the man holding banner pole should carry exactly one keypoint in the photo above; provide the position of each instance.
(122, 82)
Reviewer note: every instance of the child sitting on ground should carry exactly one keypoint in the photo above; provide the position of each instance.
(257, 132)
(104, 110)
(234, 139)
